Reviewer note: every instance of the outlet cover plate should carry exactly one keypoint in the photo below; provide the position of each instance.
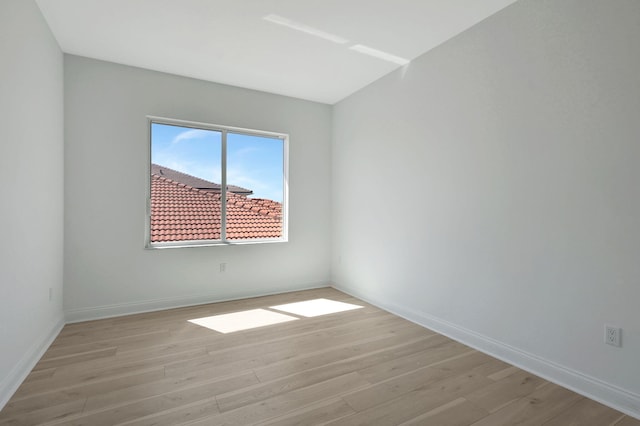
(613, 335)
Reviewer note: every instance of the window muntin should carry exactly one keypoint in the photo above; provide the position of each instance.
(213, 184)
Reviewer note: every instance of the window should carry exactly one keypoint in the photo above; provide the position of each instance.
(212, 184)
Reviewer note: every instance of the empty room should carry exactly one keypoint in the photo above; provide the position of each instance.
(281, 212)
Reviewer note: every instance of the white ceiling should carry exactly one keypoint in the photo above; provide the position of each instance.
(230, 42)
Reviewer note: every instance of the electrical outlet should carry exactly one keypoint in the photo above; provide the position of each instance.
(223, 267)
(612, 335)
(50, 294)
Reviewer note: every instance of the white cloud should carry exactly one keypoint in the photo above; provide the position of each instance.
(191, 134)
(239, 154)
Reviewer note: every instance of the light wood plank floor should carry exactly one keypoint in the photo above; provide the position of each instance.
(359, 367)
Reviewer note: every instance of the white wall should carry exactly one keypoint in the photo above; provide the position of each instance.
(31, 190)
(491, 190)
(107, 269)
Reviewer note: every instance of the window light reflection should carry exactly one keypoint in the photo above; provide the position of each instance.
(316, 307)
(244, 320)
(379, 54)
(276, 19)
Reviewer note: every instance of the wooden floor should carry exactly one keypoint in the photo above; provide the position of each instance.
(360, 367)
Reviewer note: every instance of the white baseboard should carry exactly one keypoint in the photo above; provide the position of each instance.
(21, 370)
(116, 310)
(598, 390)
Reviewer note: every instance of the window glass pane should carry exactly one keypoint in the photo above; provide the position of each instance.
(185, 183)
(255, 187)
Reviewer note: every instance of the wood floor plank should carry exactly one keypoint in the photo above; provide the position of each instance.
(503, 392)
(142, 405)
(415, 403)
(44, 374)
(306, 377)
(93, 372)
(183, 414)
(507, 371)
(70, 394)
(458, 412)
(73, 359)
(215, 382)
(113, 337)
(45, 413)
(473, 365)
(62, 350)
(322, 355)
(440, 349)
(358, 367)
(313, 414)
(586, 412)
(287, 402)
(628, 421)
(538, 407)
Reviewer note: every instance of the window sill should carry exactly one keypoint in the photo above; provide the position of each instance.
(207, 243)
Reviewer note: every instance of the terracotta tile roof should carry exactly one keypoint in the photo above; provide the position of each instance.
(195, 182)
(180, 212)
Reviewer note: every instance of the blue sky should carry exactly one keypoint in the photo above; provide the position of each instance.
(253, 162)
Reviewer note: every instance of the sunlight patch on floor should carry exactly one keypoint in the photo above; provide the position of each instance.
(244, 320)
(316, 307)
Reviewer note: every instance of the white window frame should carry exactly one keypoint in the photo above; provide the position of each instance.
(224, 130)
